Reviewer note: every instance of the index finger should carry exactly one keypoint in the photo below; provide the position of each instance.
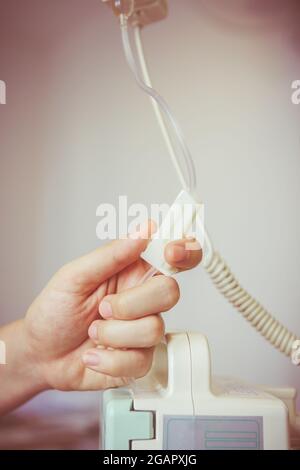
(89, 271)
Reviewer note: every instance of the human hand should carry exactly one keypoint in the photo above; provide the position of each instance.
(73, 347)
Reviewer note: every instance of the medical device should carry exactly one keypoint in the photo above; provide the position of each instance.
(250, 405)
(180, 406)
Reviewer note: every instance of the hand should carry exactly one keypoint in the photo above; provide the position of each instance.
(73, 347)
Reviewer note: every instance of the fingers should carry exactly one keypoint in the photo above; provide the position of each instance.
(141, 305)
(145, 330)
(143, 333)
(87, 272)
(158, 294)
(183, 254)
(117, 363)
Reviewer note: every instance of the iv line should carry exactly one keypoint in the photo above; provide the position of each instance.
(161, 105)
(272, 330)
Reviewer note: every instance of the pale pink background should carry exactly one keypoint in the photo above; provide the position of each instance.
(76, 132)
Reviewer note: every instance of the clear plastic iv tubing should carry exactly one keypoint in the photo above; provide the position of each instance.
(267, 325)
(190, 183)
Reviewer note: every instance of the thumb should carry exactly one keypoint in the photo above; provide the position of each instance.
(88, 272)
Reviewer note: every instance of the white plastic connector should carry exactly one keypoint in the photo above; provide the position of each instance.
(184, 219)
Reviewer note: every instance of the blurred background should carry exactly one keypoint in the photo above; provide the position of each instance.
(77, 132)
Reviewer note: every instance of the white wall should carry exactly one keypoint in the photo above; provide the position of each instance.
(77, 132)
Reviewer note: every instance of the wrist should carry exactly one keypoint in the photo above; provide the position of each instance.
(20, 376)
(28, 363)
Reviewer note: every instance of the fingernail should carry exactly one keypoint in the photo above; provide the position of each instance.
(193, 245)
(93, 331)
(180, 253)
(105, 309)
(91, 359)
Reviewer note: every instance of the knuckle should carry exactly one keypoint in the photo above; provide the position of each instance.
(120, 307)
(102, 333)
(114, 366)
(64, 271)
(114, 370)
(68, 273)
(156, 329)
(143, 362)
(171, 292)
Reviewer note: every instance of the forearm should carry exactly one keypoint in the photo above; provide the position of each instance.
(20, 379)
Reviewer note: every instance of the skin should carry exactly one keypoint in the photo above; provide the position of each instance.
(92, 327)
